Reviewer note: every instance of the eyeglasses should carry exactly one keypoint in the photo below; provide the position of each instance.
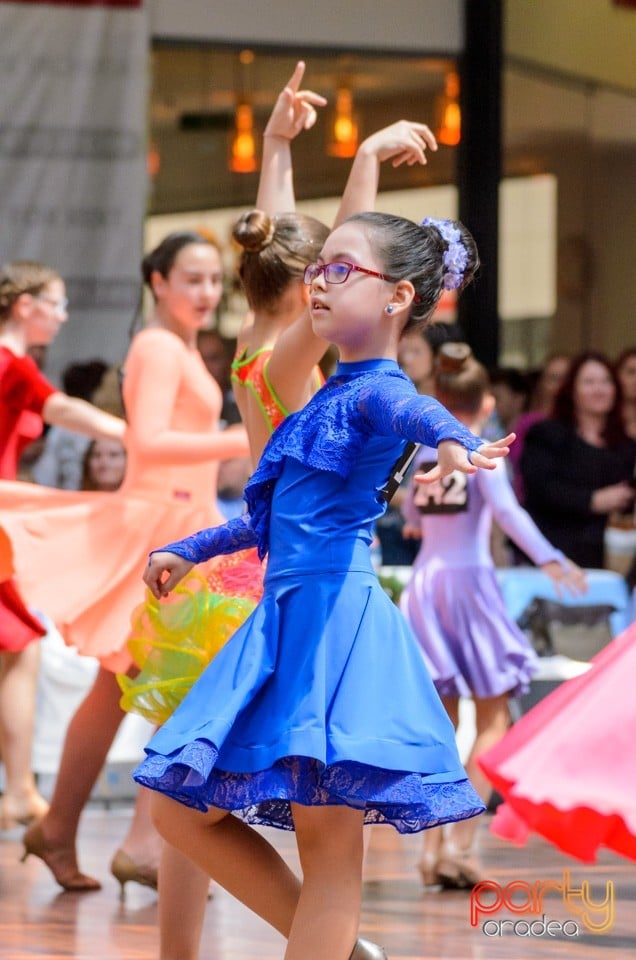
(338, 272)
(59, 306)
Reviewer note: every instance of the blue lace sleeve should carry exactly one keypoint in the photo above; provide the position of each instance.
(237, 534)
(397, 409)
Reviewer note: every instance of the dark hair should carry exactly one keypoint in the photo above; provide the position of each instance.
(163, 256)
(415, 252)
(564, 410)
(460, 380)
(22, 276)
(624, 356)
(82, 379)
(438, 332)
(513, 378)
(276, 251)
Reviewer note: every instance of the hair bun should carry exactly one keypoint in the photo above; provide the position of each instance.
(254, 231)
(453, 357)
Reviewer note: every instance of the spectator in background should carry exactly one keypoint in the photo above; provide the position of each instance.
(578, 464)
(548, 384)
(626, 373)
(511, 390)
(417, 351)
(61, 462)
(233, 475)
(104, 466)
(216, 352)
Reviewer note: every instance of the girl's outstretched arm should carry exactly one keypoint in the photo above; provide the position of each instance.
(294, 110)
(398, 409)
(453, 455)
(401, 142)
(168, 565)
(519, 526)
(72, 413)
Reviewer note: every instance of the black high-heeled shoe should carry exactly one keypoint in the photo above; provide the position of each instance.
(367, 950)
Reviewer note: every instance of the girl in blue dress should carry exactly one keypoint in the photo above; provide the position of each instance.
(313, 717)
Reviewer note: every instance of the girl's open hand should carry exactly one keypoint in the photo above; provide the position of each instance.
(164, 571)
(452, 456)
(295, 109)
(402, 142)
(565, 574)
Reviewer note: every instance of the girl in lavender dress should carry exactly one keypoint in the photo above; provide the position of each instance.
(471, 646)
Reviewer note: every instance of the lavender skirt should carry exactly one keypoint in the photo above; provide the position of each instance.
(471, 646)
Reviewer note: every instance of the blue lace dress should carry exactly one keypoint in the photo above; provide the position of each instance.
(322, 696)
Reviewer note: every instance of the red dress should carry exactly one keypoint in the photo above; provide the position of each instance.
(567, 769)
(23, 392)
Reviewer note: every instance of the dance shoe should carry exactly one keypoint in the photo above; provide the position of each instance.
(125, 870)
(431, 880)
(22, 812)
(458, 869)
(60, 861)
(366, 950)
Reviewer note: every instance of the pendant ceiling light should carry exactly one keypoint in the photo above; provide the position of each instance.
(343, 133)
(449, 118)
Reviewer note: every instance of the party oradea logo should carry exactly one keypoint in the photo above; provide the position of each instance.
(587, 911)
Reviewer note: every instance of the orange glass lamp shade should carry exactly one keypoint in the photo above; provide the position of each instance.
(153, 160)
(449, 125)
(243, 146)
(344, 129)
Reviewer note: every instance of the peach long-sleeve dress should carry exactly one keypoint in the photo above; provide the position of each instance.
(79, 557)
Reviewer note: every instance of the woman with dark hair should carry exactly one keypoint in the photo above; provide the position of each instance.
(625, 368)
(577, 465)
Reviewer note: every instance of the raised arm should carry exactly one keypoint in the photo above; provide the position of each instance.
(401, 142)
(291, 367)
(294, 110)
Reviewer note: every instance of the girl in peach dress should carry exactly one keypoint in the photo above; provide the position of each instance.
(79, 555)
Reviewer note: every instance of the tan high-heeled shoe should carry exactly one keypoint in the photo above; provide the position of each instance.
(429, 873)
(458, 869)
(22, 812)
(59, 860)
(125, 870)
(367, 950)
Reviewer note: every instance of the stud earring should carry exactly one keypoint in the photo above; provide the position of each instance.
(389, 308)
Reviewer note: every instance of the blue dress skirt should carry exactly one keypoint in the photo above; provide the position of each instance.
(322, 697)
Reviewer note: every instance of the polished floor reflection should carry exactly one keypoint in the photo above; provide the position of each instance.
(38, 921)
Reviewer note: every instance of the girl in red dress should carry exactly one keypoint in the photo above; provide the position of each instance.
(32, 309)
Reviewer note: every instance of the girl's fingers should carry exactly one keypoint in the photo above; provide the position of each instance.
(297, 76)
(309, 96)
(430, 476)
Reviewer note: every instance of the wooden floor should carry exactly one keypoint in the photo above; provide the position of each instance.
(39, 922)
